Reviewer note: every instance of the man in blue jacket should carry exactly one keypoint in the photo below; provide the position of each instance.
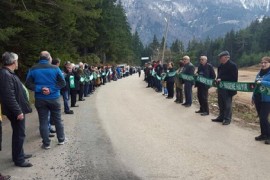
(46, 80)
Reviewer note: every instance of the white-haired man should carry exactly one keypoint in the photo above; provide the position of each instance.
(15, 105)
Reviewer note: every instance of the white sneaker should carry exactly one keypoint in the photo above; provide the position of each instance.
(62, 142)
(45, 147)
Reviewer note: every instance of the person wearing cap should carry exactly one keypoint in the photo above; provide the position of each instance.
(227, 71)
(205, 70)
(14, 104)
(188, 69)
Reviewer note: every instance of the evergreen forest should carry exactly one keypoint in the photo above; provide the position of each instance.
(97, 32)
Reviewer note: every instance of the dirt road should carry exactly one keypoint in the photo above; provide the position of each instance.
(126, 131)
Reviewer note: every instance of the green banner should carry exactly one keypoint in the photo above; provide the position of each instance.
(204, 80)
(186, 77)
(262, 89)
(26, 92)
(234, 86)
(71, 82)
(153, 73)
(163, 76)
(91, 77)
(171, 74)
(237, 86)
(82, 79)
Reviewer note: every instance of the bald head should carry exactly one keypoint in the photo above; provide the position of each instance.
(203, 60)
(45, 55)
(186, 59)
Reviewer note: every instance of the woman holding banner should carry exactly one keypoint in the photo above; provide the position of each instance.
(170, 80)
(261, 99)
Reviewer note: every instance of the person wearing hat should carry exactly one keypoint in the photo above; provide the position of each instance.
(14, 104)
(227, 71)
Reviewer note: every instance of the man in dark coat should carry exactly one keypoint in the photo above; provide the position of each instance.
(188, 69)
(15, 105)
(205, 70)
(227, 71)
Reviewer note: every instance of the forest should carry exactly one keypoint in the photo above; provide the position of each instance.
(97, 32)
(246, 46)
(91, 31)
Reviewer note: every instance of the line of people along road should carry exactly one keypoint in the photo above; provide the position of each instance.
(165, 78)
(49, 83)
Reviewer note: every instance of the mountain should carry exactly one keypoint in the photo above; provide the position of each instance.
(188, 19)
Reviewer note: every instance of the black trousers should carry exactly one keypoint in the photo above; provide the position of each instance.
(202, 94)
(263, 110)
(170, 86)
(81, 91)
(225, 105)
(18, 136)
(188, 92)
(73, 96)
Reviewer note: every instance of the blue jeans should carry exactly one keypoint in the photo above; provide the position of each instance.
(44, 106)
(86, 89)
(65, 95)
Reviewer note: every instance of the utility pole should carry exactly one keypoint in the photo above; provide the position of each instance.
(165, 39)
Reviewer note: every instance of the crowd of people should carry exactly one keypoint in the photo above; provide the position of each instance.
(78, 81)
(181, 79)
(48, 83)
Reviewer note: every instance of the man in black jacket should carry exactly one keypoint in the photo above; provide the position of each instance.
(188, 69)
(205, 70)
(15, 105)
(227, 71)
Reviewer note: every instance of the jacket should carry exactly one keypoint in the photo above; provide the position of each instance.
(265, 80)
(228, 72)
(13, 96)
(206, 71)
(188, 69)
(43, 75)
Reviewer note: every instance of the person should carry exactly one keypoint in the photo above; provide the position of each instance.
(80, 71)
(170, 80)
(65, 91)
(46, 80)
(188, 69)
(139, 70)
(158, 70)
(2, 177)
(86, 80)
(227, 71)
(163, 82)
(15, 104)
(179, 84)
(205, 70)
(73, 82)
(262, 101)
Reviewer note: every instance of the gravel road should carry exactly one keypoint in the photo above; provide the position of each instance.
(128, 132)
